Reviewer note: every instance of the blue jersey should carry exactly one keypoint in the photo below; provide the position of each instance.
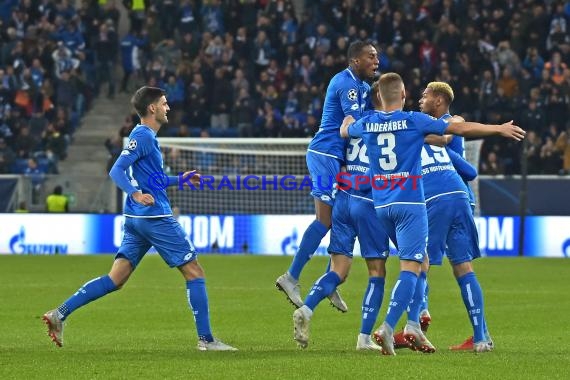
(394, 141)
(439, 176)
(346, 95)
(145, 159)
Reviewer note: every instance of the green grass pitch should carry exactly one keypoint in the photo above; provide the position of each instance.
(146, 331)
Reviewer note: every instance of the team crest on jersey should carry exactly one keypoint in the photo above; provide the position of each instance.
(132, 145)
(352, 94)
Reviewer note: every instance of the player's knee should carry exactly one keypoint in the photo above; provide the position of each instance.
(462, 269)
(192, 270)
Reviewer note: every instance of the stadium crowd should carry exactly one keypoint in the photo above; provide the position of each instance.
(259, 68)
(53, 56)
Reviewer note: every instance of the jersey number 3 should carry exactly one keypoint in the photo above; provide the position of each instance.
(387, 143)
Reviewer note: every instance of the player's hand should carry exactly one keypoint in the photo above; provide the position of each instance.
(512, 131)
(195, 177)
(143, 199)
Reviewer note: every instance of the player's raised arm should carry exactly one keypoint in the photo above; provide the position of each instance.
(475, 130)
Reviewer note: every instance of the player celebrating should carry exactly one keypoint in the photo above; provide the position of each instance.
(149, 222)
(394, 140)
(347, 94)
(353, 215)
(450, 219)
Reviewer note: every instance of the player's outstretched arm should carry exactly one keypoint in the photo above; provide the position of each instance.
(344, 126)
(475, 130)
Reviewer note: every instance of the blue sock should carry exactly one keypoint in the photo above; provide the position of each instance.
(371, 303)
(401, 296)
(425, 300)
(324, 286)
(309, 244)
(417, 299)
(90, 291)
(198, 301)
(473, 299)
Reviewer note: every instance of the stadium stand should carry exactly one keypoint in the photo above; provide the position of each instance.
(258, 68)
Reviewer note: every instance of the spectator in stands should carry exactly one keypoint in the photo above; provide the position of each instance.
(534, 146)
(221, 100)
(492, 165)
(25, 143)
(563, 147)
(555, 68)
(7, 157)
(533, 118)
(106, 49)
(56, 201)
(37, 178)
(242, 113)
(550, 157)
(268, 122)
(196, 102)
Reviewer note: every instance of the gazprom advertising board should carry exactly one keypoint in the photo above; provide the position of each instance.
(48, 234)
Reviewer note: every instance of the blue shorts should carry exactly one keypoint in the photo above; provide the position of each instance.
(323, 170)
(407, 227)
(165, 234)
(353, 217)
(451, 224)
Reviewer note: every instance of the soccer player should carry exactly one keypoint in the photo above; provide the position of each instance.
(353, 215)
(148, 222)
(450, 217)
(347, 94)
(456, 144)
(394, 140)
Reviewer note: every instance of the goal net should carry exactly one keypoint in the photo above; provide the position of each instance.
(240, 176)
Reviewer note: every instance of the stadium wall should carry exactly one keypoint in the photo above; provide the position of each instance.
(49, 234)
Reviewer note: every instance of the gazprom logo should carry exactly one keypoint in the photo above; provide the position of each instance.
(496, 234)
(19, 245)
